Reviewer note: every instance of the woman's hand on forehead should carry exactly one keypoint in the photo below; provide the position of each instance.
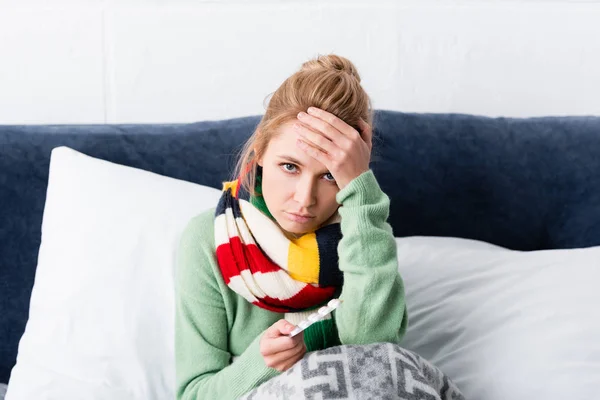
(345, 151)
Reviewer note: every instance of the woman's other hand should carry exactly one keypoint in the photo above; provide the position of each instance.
(341, 148)
(278, 349)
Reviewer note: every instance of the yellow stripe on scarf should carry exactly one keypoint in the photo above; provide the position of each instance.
(233, 185)
(303, 259)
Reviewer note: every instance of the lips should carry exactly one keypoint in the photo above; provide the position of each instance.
(300, 218)
(302, 215)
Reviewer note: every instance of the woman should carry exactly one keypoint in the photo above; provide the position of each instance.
(314, 228)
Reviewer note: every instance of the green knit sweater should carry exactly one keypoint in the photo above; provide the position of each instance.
(214, 324)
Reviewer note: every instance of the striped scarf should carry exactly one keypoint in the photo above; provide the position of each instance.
(260, 263)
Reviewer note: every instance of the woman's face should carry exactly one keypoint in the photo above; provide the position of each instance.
(298, 190)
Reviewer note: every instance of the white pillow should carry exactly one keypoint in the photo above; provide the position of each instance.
(101, 318)
(505, 324)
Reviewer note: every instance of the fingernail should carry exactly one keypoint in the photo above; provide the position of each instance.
(301, 114)
(311, 109)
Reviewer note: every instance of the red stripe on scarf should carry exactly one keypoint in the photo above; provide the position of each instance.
(234, 257)
(308, 295)
(232, 261)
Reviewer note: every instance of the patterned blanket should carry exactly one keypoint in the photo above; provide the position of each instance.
(374, 371)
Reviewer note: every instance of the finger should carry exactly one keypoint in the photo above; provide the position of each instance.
(314, 152)
(283, 356)
(322, 126)
(299, 338)
(334, 121)
(276, 338)
(366, 132)
(294, 358)
(278, 345)
(279, 328)
(317, 139)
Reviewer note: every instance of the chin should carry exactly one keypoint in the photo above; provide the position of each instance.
(295, 227)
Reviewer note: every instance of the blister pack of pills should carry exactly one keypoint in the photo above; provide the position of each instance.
(317, 316)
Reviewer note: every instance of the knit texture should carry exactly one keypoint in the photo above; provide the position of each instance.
(213, 323)
(271, 271)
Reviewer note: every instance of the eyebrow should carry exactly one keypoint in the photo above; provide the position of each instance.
(294, 161)
(290, 159)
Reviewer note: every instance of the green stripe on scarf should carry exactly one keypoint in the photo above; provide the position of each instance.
(322, 334)
(258, 201)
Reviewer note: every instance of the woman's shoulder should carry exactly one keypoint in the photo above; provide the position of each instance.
(201, 225)
(199, 232)
(196, 246)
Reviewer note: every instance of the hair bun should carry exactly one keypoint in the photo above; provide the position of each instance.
(331, 62)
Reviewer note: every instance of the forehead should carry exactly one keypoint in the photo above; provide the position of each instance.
(283, 144)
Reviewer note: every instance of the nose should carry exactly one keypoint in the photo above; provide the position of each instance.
(305, 193)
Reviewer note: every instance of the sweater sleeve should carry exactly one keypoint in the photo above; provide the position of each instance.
(374, 308)
(202, 358)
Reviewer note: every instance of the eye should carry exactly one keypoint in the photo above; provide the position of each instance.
(329, 177)
(287, 167)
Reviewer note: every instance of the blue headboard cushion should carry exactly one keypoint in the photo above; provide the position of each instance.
(525, 184)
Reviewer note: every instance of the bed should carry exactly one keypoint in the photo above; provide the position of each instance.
(471, 197)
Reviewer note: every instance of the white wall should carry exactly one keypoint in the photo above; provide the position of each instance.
(96, 61)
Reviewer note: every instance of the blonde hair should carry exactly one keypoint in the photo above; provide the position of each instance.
(329, 82)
